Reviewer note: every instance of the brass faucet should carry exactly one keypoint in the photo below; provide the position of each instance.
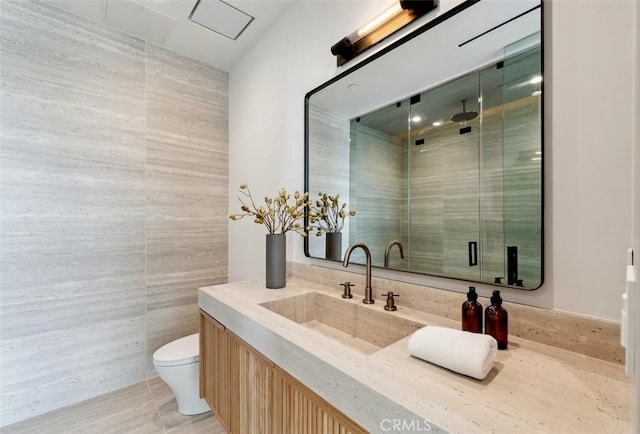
(388, 249)
(368, 292)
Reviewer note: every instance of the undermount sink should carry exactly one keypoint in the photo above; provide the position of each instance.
(357, 326)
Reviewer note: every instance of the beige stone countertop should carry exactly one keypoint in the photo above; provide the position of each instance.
(533, 388)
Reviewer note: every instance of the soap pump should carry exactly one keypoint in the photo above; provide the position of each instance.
(496, 321)
(472, 312)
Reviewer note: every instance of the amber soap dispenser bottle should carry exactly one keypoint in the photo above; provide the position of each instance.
(472, 312)
(496, 321)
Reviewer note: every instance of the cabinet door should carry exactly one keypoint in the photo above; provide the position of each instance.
(304, 412)
(236, 381)
(253, 390)
(215, 381)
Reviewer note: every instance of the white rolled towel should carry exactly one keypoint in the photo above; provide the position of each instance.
(467, 353)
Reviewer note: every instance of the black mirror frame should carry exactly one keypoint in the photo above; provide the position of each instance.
(417, 32)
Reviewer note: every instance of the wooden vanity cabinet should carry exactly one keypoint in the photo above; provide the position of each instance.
(215, 368)
(250, 394)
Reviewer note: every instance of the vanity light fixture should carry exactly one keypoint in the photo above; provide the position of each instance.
(387, 22)
(416, 119)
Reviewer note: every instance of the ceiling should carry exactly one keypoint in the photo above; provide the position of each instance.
(166, 22)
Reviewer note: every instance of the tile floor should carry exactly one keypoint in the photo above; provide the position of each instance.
(146, 407)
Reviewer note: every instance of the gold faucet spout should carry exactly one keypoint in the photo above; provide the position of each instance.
(368, 291)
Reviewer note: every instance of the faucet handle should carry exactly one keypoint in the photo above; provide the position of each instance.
(391, 302)
(347, 289)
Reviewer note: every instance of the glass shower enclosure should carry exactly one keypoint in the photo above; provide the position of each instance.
(455, 174)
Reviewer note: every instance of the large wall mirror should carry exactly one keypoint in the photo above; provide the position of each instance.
(436, 144)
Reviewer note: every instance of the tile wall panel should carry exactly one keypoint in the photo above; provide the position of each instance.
(72, 236)
(113, 207)
(187, 187)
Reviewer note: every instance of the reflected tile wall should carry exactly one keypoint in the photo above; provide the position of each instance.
(444, 187)
(492, 193)
(522, 192)
(84, 172)
(328, 166)
(461, 203)
(444, 201)
(377, 193)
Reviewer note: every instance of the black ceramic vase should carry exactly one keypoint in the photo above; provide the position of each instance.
(276, 261)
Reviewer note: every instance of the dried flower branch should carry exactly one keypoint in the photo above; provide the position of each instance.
(277, 214)
(328, 215)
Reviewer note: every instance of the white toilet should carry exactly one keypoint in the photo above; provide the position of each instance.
(177, 363)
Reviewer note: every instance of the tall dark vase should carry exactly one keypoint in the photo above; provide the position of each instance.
(333, 246)
(276, 260)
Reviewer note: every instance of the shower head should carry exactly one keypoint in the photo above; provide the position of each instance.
(464, 115)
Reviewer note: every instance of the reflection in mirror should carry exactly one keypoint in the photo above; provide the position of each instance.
(453, 172)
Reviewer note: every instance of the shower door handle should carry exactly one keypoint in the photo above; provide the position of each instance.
(473, 253)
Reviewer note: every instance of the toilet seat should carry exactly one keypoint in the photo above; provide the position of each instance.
(182, 351)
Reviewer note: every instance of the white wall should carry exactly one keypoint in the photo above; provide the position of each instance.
(266, 111)
(588, 119)
(589, 183)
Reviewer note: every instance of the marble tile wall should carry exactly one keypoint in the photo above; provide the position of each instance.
(113, 196)
(186, 195)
